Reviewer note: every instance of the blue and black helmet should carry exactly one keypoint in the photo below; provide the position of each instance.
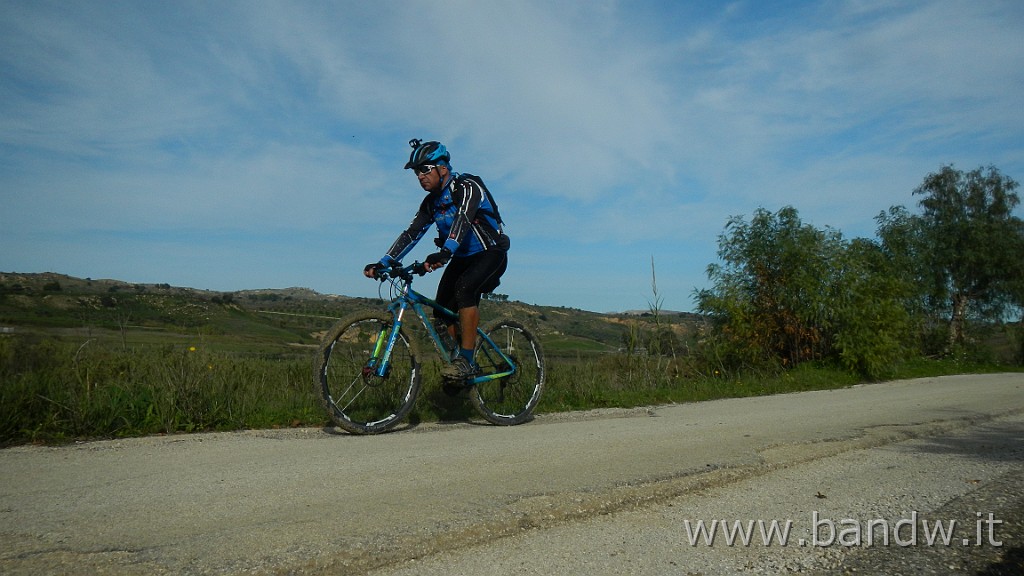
(427, 153)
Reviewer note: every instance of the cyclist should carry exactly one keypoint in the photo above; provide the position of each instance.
(471, 242)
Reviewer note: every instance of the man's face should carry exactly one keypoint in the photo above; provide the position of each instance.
(431, 176)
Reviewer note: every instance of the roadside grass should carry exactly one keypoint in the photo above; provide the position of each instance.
(83, 359)
(56, 391)
(100, 385)
(625, 382)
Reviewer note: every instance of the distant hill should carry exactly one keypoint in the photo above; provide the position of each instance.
(61, 304)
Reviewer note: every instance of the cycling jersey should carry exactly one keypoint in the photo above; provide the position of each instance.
(464, 219)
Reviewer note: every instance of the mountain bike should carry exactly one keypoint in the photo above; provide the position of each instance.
(368, 373)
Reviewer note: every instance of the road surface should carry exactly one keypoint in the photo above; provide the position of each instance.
(604, 492)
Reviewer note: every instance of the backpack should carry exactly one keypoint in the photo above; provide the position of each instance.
(493, 212)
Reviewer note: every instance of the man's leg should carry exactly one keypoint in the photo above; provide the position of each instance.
(469, 319)
(471, 274)
(486, 270)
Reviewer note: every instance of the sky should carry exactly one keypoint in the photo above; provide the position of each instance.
(226, 146)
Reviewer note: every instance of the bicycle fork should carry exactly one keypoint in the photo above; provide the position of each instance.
(380, 360)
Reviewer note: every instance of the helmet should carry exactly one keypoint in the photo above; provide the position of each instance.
(427, 153)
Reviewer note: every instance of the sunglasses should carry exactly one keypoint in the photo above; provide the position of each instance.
(425, 169)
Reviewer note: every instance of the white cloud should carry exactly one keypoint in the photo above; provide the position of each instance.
(612, 128)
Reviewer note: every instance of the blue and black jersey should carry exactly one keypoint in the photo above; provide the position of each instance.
(466, 220)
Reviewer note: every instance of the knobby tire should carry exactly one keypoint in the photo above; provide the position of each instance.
(356, 399)
(510, 400)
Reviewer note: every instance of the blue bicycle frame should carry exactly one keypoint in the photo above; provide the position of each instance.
(411, 299)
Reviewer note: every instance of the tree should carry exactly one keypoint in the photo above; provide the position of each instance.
(790, 293)
(972, 244)
(902, 247)
(873, 327)
(770, 296)
(1014, 292)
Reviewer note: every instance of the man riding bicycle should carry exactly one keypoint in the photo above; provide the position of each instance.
(471, 242)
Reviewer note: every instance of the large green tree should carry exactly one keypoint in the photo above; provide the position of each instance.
(787, 292)
(769, 289)
(970, 244)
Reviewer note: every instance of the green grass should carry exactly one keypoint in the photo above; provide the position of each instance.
(103, 359)
(624, 382)
(57, 390)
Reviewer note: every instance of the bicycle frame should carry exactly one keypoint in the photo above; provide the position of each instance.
(409, 299)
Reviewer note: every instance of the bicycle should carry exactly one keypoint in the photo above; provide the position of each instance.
(368, 375)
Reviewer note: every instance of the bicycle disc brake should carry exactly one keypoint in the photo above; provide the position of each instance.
(370, 377)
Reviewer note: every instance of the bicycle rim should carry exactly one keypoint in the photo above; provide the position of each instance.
(355, 396)
(509, 400)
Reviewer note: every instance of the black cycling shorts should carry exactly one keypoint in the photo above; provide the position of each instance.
(466, 278)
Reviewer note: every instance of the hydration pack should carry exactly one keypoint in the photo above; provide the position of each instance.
(493, 212)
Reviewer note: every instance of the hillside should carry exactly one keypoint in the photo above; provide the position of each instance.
(258, 321)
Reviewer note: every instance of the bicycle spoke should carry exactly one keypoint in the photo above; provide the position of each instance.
(343, 394)
(357, 397)
(509, 399)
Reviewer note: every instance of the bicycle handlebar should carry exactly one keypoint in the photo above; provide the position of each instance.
(399, 271)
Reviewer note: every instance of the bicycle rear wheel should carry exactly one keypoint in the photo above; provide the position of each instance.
(346, 377)
(509, 400)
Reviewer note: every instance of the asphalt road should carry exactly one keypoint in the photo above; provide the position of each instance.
(607, 492)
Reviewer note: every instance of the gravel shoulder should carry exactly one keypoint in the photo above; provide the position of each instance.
(902, 489)
(598, 492)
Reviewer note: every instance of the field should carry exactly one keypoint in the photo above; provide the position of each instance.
(84, 358)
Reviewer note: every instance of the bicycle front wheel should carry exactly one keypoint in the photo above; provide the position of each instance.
(347, 374)
(509, 400)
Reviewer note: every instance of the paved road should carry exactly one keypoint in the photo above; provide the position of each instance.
(606, 492)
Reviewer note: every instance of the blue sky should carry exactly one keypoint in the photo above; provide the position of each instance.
(235, 145)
